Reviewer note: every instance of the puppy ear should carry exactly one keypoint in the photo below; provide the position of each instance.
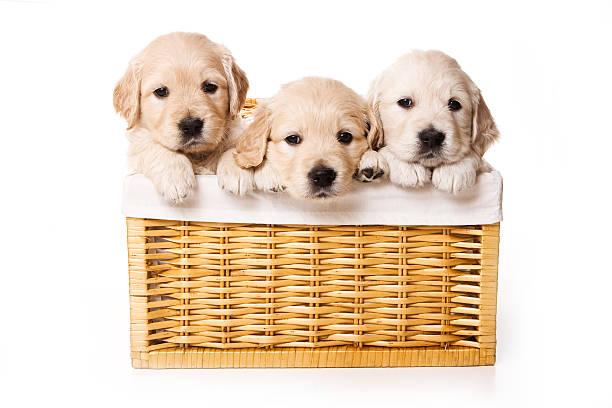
(374, 126)
(237, 84)
(251, 145)
(484, 130)
(376, 134)
(126, 96)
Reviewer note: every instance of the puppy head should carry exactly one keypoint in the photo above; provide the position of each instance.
(313, 133)
(431, 110)
(182, 88)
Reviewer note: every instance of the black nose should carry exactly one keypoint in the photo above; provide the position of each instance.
(191, 127)
(322, 176)
(431, 138)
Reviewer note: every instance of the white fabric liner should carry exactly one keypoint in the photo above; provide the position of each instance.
(367, 204)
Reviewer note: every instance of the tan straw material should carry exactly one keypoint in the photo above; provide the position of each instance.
(240, 295)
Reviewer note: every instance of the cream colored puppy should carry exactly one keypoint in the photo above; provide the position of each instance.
(181, 97)
(436, 125)
(307, 139)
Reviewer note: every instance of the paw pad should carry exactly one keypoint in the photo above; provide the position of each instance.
(368, 172)
(278, 189)
(366, 175)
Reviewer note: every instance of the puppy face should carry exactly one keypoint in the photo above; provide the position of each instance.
(313, 133)
(431, 111)
(182, 88)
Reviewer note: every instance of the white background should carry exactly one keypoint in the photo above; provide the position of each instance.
(544, 69)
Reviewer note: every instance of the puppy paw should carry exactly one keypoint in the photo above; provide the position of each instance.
(266, 179)
(372, 166)
(405, 174)
(453, 178)
(235, 179)
(238, 181)
(410, 175)
(277, 189)
(177, 182)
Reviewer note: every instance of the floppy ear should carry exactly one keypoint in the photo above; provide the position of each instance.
(126, 96)
(376, 134)
(237, 84)
(374, 126)
(484, 130)
(252, 144)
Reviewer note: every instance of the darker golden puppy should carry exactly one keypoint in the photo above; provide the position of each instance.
(181, 97)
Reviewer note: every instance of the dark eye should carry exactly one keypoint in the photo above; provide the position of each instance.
(209, 87)
(293, 139)
(454, 105)
(345, 137)
(405, 103)
(161, 92)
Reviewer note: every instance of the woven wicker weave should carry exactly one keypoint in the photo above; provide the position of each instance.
(247, 295)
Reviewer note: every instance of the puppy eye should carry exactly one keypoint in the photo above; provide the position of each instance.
(209, 87)
(161, 92)
(345, 137)
(293, 139)
(454, 105)
(405, 103)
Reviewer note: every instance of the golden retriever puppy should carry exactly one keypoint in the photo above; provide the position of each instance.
(307, 139)
(436, 125)
(181, 97)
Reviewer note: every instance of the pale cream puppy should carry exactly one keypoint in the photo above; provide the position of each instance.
(436, 125)
(181, 97)
(307, 140)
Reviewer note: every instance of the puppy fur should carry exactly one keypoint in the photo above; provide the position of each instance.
(430, 79)
(185, 65)
(319, 111)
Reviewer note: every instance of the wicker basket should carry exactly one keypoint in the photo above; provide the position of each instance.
(212, 295)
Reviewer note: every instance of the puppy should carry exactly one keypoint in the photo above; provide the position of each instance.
(436, 125)
(307, 139)
(181, 97)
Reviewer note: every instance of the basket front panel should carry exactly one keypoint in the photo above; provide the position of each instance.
(230, 286)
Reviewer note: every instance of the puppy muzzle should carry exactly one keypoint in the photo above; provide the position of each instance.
(321, 180)
(430, 140)
(191, 132)
(191, 127)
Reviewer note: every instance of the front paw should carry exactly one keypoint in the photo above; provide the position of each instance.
(277, 189)
(177, 183)
(372, 166)
(453, 178)
(266, 179)
(410, 175)
(235, 179)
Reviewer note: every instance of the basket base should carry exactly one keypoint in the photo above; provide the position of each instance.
(197, 357)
